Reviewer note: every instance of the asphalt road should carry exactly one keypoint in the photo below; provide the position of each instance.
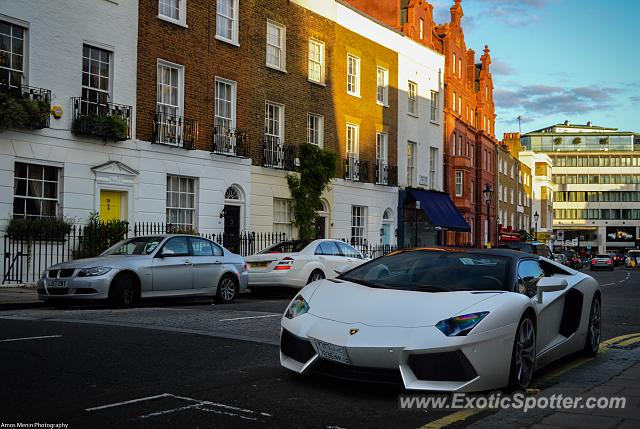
(192, 364)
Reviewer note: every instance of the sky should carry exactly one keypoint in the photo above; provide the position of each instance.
(557, 60)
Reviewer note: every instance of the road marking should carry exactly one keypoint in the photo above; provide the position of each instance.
(610, 341)
(217, 404)
(30, 338)
(132, 401)
(250, 317)
(452, 418)
(626, 278)
(628, 342)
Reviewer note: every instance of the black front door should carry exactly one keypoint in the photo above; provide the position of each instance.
(321, 222)
(232, 228)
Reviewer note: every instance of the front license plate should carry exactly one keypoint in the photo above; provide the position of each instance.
(333, 352)
(258, 264)
(57, 283)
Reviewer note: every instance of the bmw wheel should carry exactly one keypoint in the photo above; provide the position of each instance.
(523, 358)
(123, 292)
(227, 290)
(594, 331)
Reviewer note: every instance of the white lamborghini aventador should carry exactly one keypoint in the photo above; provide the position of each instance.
(443, 320)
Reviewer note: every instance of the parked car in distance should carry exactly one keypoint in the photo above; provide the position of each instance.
(561, 258)
(296, 263)
(534, 247)
(171, 265)
(573, 260)
(600, 262)
(633, 259)
(618, 258)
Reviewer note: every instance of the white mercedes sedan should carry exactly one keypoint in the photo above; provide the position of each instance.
(297, 263)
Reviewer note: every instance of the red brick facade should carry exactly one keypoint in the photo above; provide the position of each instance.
(469, 118)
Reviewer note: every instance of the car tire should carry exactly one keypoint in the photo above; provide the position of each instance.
(124, 292)
(594, 329)
(523, 356)
(227, 290)
(315, 276)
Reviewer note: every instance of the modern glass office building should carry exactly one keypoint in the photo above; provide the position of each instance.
(596, 177)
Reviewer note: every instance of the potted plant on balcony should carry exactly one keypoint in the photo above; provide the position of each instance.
(557, 140)
(577, 140)
(17, 111)
(109, 127)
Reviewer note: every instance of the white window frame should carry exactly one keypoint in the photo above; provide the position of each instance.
(352, 146)
(455, 100)
(319, 122)
(282, 217)
(411, 162)
(435, 117)
(179, 208)
(358, 224)
(99, 75)
(433, 167)
(221, 120)
(459, 105)
(382, 157)
(182, 12)
(318, 61)
(460, 68)
(353, 75)
(412, 98)
(234, 18)
(162, 106)
(454, 63)
(25, 50)
(382, 86)
(40, 182)
(459, 183)
(282, 66)
(421, 28)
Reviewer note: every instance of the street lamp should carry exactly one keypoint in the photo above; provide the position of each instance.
(487, 192)
(536, 216)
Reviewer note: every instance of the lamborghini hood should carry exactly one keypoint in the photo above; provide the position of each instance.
(353, 303)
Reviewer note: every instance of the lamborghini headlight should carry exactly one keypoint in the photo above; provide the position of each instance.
(298, 307)
(460, 325)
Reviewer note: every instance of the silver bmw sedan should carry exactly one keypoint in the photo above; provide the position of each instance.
(172, 265)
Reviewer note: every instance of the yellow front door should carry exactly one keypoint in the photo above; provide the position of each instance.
(111, 205)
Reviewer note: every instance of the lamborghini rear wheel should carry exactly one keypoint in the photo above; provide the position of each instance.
(523, 358)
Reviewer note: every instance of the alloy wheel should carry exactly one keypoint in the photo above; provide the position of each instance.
(227, 289)
(594, 324)
(525, 352)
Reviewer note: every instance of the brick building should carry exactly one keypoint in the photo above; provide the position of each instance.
(469, 118)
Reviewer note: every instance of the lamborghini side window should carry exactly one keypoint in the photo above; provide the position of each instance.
(529, 272)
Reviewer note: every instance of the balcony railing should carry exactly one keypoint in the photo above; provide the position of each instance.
(34, 105)
(105, 120)
(229, 141)
(278, 155)
(356, 169)
(386, 174)
(174, 130)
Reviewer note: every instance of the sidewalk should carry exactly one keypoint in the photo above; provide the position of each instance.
(614, 373)
(18, 297)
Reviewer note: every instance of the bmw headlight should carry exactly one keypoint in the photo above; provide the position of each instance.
(93, 271)
(298, 307)
(460, 325)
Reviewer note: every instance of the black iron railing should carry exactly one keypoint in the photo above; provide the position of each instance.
(174, 130)
(355, 169)
(278, 155)
(229, 141)
(386, 174)
(35, 104)
(109, 121)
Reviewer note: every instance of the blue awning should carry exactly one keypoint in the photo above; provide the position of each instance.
(439, 209)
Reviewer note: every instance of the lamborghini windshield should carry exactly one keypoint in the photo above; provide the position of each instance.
(434, 271)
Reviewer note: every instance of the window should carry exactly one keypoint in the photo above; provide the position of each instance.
(459, 105)
(227, 20)
(282, 216)
(459, 183)
(413, 98)
(382, 173)
(273, 135)
(459, 68)
(176, 246)
(352, 168)
(353, 75)
(12, 55)
(181, 202)
(358, 224)
(383, 86)
(421, 28)
(315, 129)
(173, 10)
(95, 79)
(434, 106)
(455, 99)
(433, 167)
(352, 139)
(328, 248)
(225, 114)
(276, 46)
(411, 163)
(273, 119)
(529, 273)
(169, 102)
(35, 190)
(348, 251)
(454, 62)
(201, 247)
(316, 61)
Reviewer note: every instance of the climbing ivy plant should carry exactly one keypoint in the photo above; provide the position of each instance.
(317, 168)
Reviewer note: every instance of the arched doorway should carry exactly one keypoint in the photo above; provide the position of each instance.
(232, 213)
(322, 220)
(387, 227)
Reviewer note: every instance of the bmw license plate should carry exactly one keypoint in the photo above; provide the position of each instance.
(332, 352)
(57, 283)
